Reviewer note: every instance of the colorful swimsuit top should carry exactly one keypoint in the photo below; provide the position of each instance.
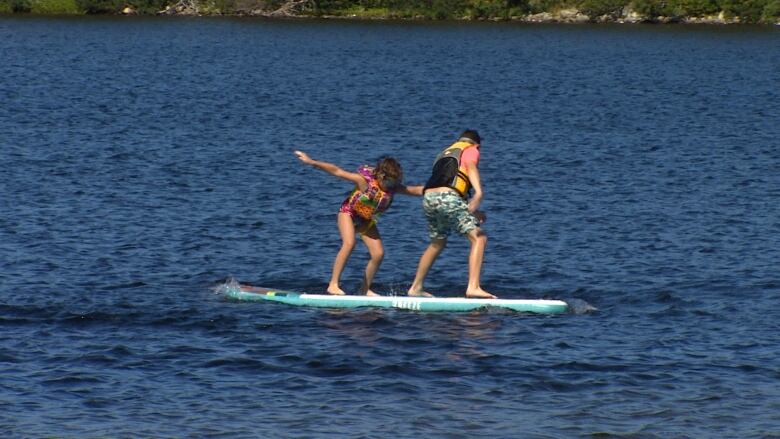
(370, 203)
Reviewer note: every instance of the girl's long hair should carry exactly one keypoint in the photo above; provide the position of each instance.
(388, 167)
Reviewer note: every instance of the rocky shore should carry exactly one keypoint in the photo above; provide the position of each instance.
(626, 16)
(568, 16)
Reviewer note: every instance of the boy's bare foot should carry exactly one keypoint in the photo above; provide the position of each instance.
(479, 293)
(418, 294)
(371, 293)
(335, 290)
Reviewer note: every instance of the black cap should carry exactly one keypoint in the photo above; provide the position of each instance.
(473, 135)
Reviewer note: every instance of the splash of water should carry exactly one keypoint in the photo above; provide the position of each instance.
(229, 284)
(579, 306)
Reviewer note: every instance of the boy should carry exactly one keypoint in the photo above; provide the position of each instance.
(446, 208)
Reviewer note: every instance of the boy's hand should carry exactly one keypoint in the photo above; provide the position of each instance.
(480, 215)
(303, 157)
(474, 204)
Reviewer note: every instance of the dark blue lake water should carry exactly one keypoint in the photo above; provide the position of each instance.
(145, 161)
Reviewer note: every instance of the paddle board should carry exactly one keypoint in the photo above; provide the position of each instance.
(539, 306)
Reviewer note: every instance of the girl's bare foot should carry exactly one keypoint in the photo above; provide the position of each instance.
(479, 293)
(335, 290)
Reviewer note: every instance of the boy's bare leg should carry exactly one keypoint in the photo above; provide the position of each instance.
(347, 231)
(426, 262)
(478, 240)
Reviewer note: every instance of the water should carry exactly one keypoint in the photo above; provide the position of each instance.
(145, 161)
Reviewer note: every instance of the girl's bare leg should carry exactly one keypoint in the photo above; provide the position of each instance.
(374, 244)
(347, 231)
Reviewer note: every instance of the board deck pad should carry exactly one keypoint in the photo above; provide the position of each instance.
(452, 304)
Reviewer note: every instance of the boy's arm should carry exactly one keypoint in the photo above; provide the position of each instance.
(334, 170)
(411, 190)
(476, 199)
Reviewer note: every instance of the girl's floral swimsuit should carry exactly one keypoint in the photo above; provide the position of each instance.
(365, 206)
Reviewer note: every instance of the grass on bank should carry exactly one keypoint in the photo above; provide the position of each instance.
(74, 7)
(41, 7)
(748, 11)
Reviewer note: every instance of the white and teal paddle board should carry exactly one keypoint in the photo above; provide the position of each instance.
(539, 306)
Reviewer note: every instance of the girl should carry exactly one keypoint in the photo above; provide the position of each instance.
(373, 193)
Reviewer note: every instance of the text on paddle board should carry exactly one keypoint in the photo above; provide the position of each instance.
(406, 304)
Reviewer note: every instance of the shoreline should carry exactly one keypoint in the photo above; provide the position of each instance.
(531, 19)
(571, 15)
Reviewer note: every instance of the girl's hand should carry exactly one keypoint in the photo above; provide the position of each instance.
(410, 190)
(303, 157)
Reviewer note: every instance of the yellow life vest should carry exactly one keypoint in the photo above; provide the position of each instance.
(448, 171)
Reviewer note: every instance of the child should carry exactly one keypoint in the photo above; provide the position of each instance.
(448, 207)
(373, 193)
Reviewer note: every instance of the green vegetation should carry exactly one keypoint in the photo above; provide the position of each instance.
(599, 8)
(744, 11)
(54, 7)
(771, 12)
(40, 7)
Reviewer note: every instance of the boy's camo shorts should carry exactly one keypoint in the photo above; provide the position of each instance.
(447, 211)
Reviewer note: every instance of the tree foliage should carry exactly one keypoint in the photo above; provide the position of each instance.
(101, 6)
(772, 12)
(598, 8)
(54, 7)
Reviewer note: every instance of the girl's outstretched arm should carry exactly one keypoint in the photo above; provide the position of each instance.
(411, 190)
(332, 169)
